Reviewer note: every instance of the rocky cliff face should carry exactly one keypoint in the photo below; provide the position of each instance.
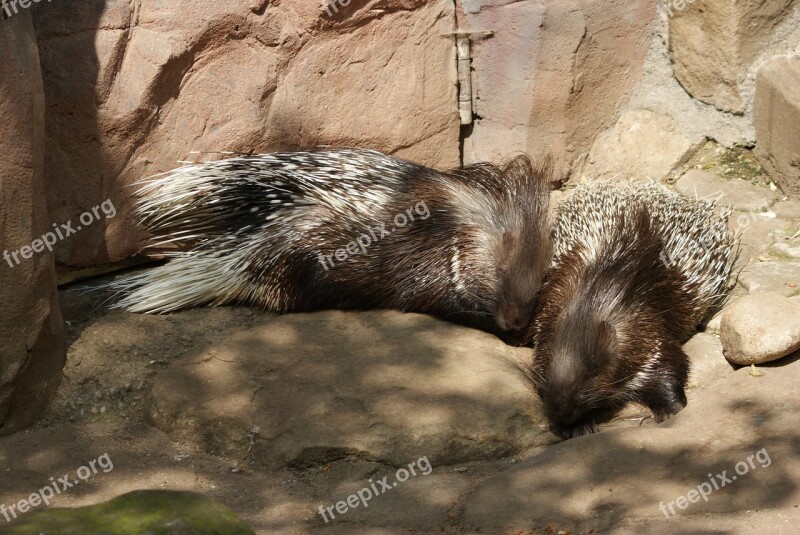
(554, 73)
(135, 87)
(32, 352)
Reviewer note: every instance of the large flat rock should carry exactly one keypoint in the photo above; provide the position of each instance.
(622, 478)
(306, 389)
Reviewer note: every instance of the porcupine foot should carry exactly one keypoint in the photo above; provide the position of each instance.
(665, 400)
(586, 426)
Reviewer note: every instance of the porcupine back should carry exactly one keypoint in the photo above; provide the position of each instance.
(253, 230)
(636, 269)
(695, 237)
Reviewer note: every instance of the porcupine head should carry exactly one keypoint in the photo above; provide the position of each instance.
(524, 248)
(607, 340)
(592, 373)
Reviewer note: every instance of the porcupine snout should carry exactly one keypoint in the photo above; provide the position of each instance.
(513, 316)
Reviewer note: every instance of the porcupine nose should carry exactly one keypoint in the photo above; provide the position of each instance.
(565, 413)
(512, 318)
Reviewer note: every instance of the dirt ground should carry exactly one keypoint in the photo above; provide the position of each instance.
(100, 408)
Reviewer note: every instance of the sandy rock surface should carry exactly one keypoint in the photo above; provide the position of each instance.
(779, 277)
(321, 387)
(642, 145)
(277, 416)
(714, 44)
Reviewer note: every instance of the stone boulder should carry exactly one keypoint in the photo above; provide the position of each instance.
(308, 389)
(713, 44)
(32, 353)
(759, 328)
(708, 362)
(777, 119)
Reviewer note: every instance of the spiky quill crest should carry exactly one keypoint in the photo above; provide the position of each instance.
(251, 230)
(636, 269)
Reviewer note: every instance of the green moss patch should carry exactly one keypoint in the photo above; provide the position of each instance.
(149, 512)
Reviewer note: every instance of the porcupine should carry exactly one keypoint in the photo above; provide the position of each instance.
(263, 230)
(636, 270)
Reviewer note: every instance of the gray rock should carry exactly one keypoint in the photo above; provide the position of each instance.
(740, 194)
(708, 362)
(779, 277)
(308, 389)
(761, 327)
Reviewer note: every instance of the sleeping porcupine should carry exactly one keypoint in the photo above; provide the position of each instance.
(263, 229)
(636, 270)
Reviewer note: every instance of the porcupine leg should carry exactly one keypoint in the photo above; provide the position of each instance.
(665, 395)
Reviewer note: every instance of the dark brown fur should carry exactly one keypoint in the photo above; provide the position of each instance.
(412, 270)
(609, 329)
(256, 230)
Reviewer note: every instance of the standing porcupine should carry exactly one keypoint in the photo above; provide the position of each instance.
(636, 270)
(271, 230)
